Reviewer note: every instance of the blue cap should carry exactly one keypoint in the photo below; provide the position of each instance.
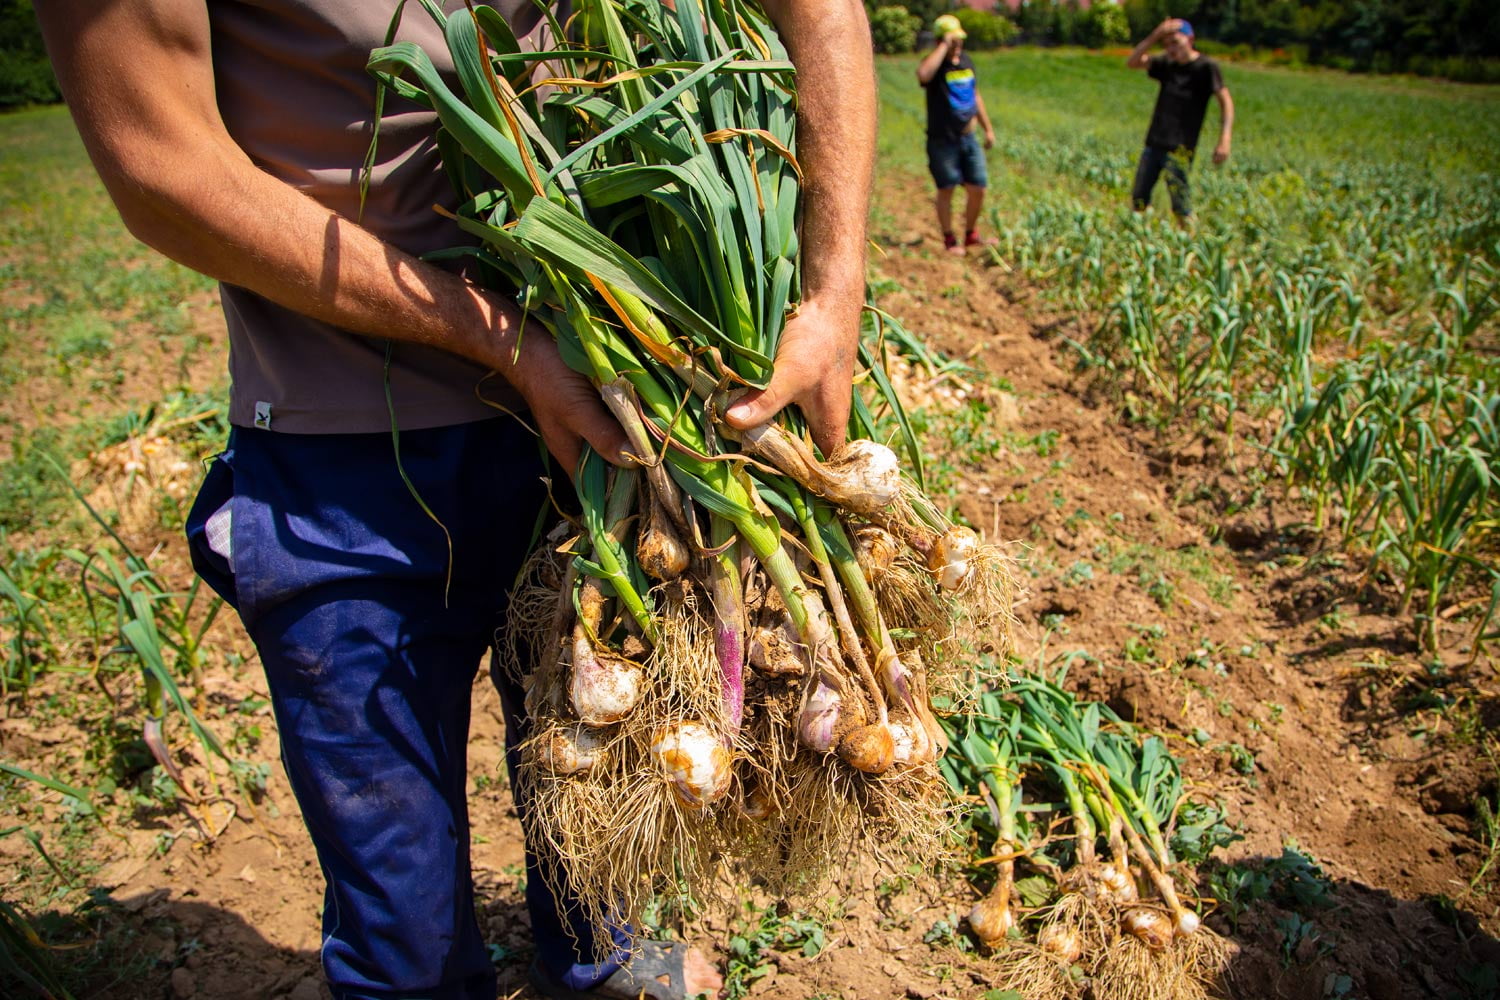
(1186, 29)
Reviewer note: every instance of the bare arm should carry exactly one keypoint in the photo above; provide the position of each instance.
(984, 121)
(1226, 124)
(829, 43)
(1140, 56)
(932, 62)
(138, 76)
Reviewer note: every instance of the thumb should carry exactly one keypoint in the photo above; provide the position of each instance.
(757, 406)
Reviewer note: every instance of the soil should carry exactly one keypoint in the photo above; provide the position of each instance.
(1285, 682)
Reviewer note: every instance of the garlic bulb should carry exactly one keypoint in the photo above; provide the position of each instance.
(875, 549)
(658, 549)
(1152, 927)
(869, 749)
(868, 474)
(862, 476)
(773, 652)
(605, 686)
(819, 716)
(694, 761)
(757, 805)
(572, 750)
(903, 743)
(1119, 883)
(950, 558)
(991, 918)
(1061, 942)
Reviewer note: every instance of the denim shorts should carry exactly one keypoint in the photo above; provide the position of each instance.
(957, 161)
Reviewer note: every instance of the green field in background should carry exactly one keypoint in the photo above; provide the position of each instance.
(1053, 108)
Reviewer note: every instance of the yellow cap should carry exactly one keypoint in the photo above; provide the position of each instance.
(947, 24)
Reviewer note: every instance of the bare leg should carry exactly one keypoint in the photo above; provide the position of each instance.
(945, 210)
(973, 203)
(944, 201)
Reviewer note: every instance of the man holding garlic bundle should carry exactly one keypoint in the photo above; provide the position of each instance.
(369, 566)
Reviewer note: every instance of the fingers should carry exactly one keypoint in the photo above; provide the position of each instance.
(824, 402)
(828, 422)
(566, 406)
(584, 420)
(605, 435)
(814, 369)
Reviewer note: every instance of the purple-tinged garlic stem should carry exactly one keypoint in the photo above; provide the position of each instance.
(729, 630)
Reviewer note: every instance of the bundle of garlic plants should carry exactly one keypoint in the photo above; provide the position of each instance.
(731, 655)
(1108, 912)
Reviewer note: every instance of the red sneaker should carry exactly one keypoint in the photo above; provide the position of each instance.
(950, 244)
(973, 240)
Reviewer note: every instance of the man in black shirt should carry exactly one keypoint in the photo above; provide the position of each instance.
(1188, 79)
(953, 108)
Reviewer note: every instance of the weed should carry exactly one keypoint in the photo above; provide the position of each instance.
(1481, 980)
(1241, 760)
(767, 930)
(1201, 828)
(1043, 443)
(969, 432)
(1333, 621)
(1337, 984)
(1080, 572)
(1299, 936)
(1487, 823)
(945, 933)
(1142, 647)
(1294, 881)
(1298, 879)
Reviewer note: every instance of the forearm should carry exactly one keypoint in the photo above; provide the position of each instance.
(835, 141)
(983, 115)
(1139, 55)
(138, 76)
(150, 122)
(931, 62)
(242, 226)
(1226, 117)
(829, 42)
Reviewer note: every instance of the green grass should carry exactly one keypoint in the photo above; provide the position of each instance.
(80, 291)
(85, 308)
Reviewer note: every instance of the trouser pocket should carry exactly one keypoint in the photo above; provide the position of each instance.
(208, 531)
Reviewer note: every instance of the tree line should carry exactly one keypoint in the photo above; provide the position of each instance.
(25, 74)
(1459, 39)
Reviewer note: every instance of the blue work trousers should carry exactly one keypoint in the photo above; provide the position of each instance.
(371, 621)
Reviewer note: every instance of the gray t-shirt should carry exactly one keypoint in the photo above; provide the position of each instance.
(294, 93)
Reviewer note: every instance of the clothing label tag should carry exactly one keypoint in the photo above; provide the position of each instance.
(263, 415)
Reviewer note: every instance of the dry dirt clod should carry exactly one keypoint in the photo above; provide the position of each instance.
(310, 988)
(184, 984)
